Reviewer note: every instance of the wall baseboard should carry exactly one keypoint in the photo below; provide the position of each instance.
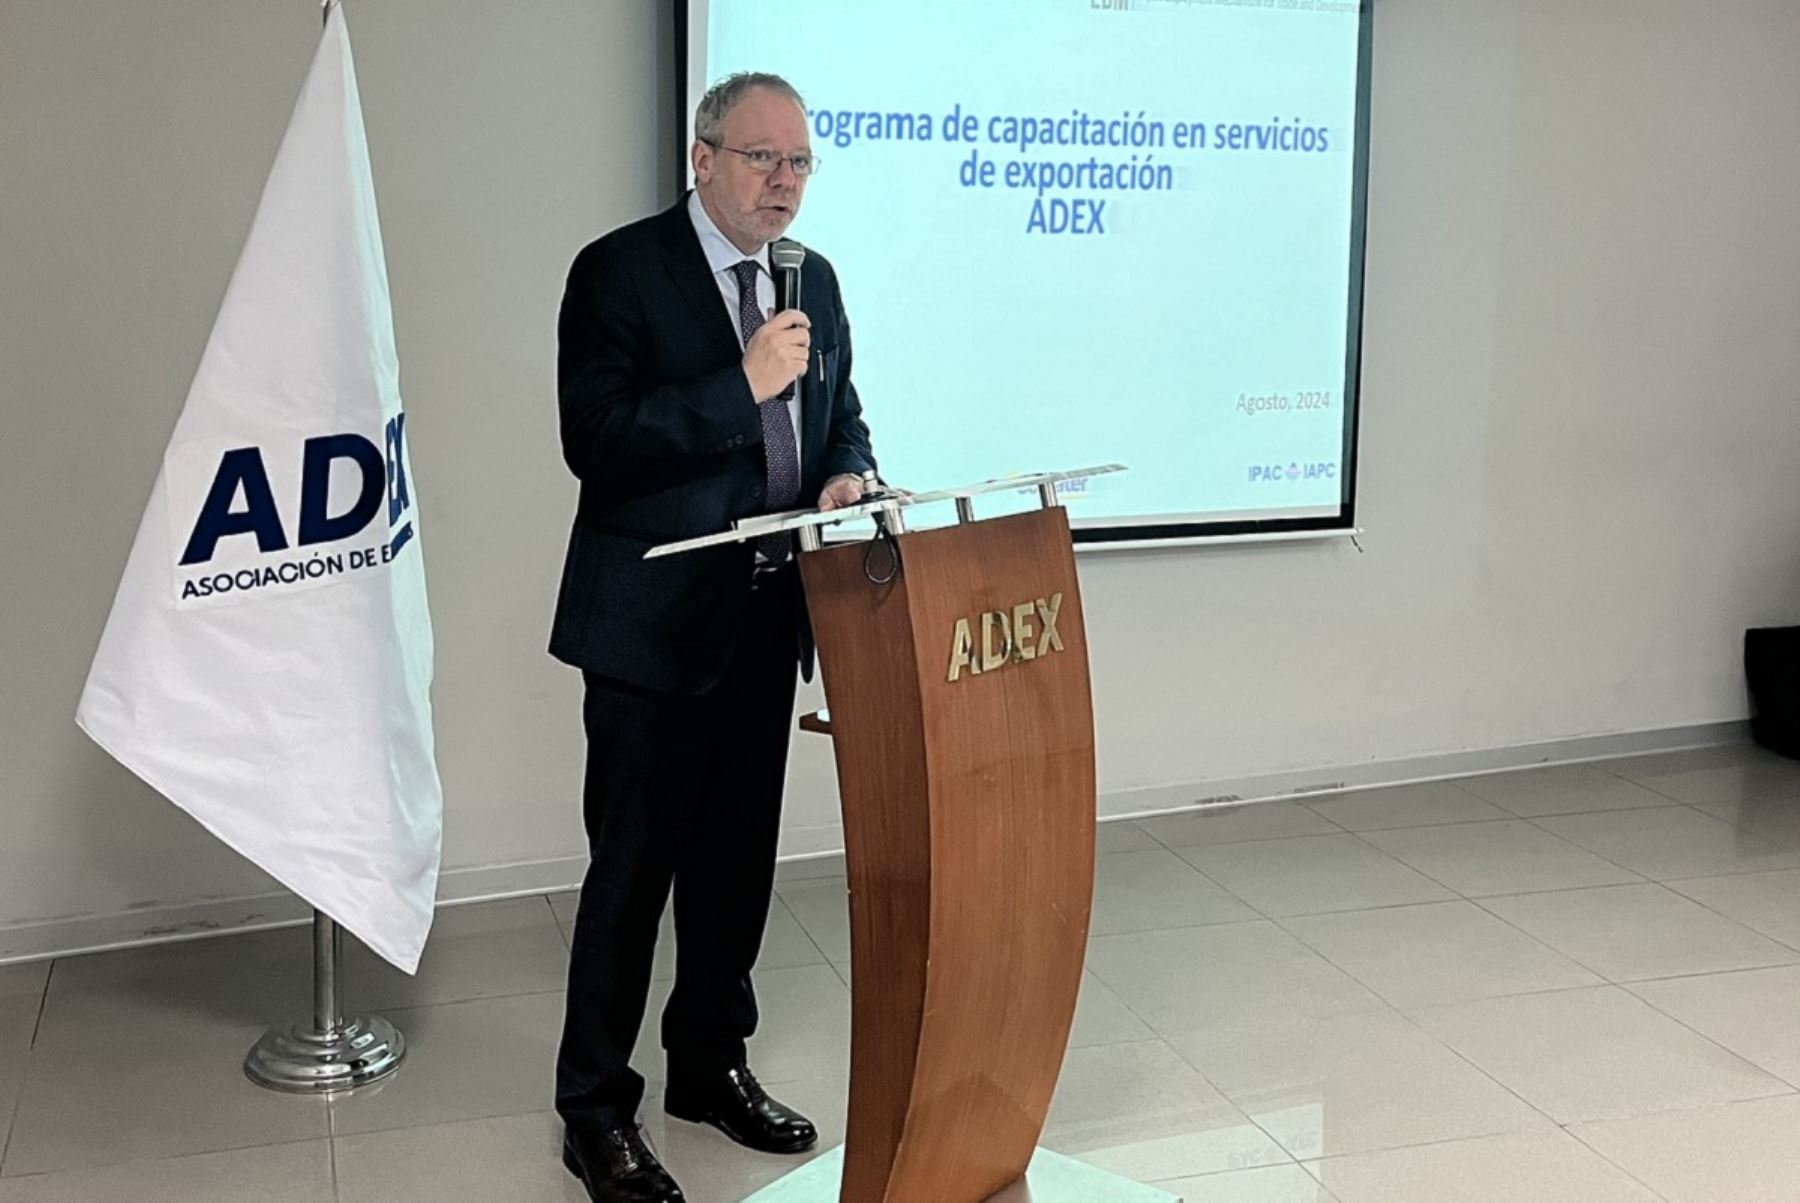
(485, 883)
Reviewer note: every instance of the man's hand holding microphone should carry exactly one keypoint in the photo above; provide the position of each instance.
(776, 356)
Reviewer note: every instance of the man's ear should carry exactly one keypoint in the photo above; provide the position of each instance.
(701, 157)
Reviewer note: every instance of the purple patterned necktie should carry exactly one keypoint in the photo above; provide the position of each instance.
(779, 446)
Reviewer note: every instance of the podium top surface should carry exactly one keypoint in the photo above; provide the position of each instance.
(793, 520)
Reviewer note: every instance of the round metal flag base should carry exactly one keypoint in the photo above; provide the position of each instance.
(303, 1060)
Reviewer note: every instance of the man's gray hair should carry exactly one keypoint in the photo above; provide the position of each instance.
(709, 117)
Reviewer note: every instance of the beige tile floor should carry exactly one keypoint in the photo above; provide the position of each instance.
(1574, 984)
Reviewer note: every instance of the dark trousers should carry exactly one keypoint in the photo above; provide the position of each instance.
(683, 791)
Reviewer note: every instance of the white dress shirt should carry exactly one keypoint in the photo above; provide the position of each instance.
(722, 256)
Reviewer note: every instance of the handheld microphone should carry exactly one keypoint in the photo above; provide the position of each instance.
(785, 258)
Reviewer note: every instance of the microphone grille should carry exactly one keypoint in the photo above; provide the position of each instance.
(786, 255)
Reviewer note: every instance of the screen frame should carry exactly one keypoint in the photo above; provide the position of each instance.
(1176, 530)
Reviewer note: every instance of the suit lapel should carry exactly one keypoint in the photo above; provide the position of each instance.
(693, 279)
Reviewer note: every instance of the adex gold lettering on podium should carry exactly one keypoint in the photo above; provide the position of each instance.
(1006, 637)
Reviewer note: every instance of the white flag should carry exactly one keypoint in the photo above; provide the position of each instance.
(267, 664)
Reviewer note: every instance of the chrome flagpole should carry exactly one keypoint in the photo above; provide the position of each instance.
(331, 1053)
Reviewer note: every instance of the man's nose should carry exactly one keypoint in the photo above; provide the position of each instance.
(784, 175)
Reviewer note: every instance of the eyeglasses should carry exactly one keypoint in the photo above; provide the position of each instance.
(767, 161)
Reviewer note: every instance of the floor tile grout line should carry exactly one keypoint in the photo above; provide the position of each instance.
(1312, 1165)
(390, 1011)
(12, 1119)
(1431, 1036)
(1421, 1144)
(1236, 1107)
(1479, 1069)
(1535, 822)
(1683, 1110)
(1207, 1078)
(1716, 874)
(1636, 880)
(1546, 992)
(1647, 785)
(1279, 926)
(1623, 868)
(1665, 804)
(1314, 1174)
(1792, 1088)
(12, 1107)
(1087, 968)
(1216, 884)
(1599, 764)
(1199, 809)
(1675, 881)
(1794, 963)
(1674, 887)
(778, 900)
(557, 919)
(1608, 978)
(1625, 989)
(1483, 998)
(1410, 1015)
(37, 1025)
(1352, 910)
(1350, 794)
(228, 1150)
(1457, 783)
(1567, 1130)
(1442, 885)
(1358, 836)
(1639, 878)
(1429, 823)
(1178, 849)
(1261, 917)
(1571, 957)
(1741, 971)
(484, 1117)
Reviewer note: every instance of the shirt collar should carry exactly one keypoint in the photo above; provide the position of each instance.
(721, 254)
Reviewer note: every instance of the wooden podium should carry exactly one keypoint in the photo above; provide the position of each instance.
(964, 736)
(956, 677)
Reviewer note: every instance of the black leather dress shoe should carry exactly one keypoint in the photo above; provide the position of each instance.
(734, 1102)
(616, 1167)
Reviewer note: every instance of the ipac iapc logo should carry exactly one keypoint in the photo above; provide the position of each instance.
(1267, 473)
(250, 520)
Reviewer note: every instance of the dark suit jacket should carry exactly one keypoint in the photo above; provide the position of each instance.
(659, 425)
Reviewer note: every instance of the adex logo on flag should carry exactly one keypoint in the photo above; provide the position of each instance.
(267, 664)
(337, 487)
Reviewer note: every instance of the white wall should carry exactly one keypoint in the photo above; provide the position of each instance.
(1579, 441)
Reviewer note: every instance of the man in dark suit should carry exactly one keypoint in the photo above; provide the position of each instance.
(687, 402)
